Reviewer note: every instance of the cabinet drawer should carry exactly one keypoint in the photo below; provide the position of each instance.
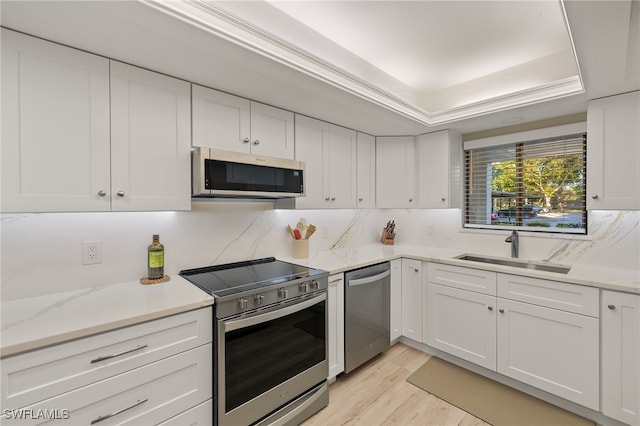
(41, 374)
(201, 415)
(551, 294)
(463, 278)
(145, 395)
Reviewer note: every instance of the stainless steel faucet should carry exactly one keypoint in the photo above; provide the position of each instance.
(513, 239)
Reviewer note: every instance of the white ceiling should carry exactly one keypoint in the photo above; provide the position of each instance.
(382, 67)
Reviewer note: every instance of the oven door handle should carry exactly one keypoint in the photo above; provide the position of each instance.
(268, 316)
(368, 280)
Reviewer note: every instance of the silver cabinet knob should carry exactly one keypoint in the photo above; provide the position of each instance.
(411, 200)
(612, 307)
(102, 193)
(120, 193)
(333, 198)
(326, 199)
(360, 199)
(256, 142)
(501, 311)
(444, 199)
(416, 269)
(595, 197)
(245, 140)
(490, 308)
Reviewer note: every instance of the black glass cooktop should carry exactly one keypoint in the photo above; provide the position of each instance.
(232, 278)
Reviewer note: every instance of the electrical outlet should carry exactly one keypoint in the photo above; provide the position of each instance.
(91, 252)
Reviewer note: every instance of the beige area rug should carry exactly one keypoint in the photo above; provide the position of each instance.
(488, 400)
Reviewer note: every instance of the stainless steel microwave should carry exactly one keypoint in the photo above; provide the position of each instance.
(218, 173)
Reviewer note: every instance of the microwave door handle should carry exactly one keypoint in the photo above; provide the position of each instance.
(275, 314)
(368, 280)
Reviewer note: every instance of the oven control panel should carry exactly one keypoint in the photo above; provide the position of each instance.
(264, 297)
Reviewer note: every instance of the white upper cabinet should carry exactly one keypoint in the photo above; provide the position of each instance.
(232, 123)
(396, 172)
(366, 169)
(439, 170)
(150, 140)
(613, 153)
(66, 148)
(55, 127)
(329, 154)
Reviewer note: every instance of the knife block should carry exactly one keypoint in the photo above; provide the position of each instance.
(386, 239)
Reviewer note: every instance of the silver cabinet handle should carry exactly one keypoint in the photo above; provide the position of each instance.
(102, 193)
(256, 142)
(612, 307)
(104, 358)
(595, 197)
(368, 280)
(245, 140)
(120, 193)
(108, 416)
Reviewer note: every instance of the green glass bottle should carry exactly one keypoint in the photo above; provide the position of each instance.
(155, 259)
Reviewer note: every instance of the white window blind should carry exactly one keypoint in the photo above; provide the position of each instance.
(535, 185)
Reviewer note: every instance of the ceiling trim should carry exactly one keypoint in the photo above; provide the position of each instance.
(217, 21)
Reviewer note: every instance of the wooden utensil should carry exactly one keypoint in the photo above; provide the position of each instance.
(310, 230)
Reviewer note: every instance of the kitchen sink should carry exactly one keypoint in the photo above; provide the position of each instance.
(537, 266)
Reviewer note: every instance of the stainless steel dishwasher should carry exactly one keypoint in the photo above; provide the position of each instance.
(366, 308)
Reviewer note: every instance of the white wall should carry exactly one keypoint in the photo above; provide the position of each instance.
(41, 253)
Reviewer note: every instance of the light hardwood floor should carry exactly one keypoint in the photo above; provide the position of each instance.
(377, 393)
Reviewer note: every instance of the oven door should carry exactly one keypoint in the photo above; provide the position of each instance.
(269, 357)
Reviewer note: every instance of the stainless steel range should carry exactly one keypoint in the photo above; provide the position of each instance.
(270, 362)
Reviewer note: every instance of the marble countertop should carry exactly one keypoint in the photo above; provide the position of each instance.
(32, 323)
(340, 260)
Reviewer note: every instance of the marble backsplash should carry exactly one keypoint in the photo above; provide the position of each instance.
(41, 253)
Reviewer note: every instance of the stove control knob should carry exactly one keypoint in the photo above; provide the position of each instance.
(259, 300)
(304, 287)
(283, 293)
(315, 285)
(243, 303)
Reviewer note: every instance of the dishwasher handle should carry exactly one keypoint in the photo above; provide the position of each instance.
(368, 280)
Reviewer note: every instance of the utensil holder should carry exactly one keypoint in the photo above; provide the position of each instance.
(301, 249)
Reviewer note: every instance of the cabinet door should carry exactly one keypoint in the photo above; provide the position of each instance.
(613, 153)
(552, 350)
(366, 169)
(335, 297)
(620, 321)
(412, 299)
(312, 138)
(395, 172)
(462, 323)
(272, 131)
(220, 120)
(396, 299)
(55, 127)
(439, 171)
(341, 167)
(150, 140)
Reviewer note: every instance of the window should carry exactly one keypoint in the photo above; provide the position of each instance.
(534, 185)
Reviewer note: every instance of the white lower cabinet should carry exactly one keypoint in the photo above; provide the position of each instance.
(462, 323)
(396, 299)
(620, 368)
(553, 350)
(412, 299)
(145, 374)
(200, 415)
(543, 333)
(335, 302)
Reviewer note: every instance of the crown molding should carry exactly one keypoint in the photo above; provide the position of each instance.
(220, 23)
